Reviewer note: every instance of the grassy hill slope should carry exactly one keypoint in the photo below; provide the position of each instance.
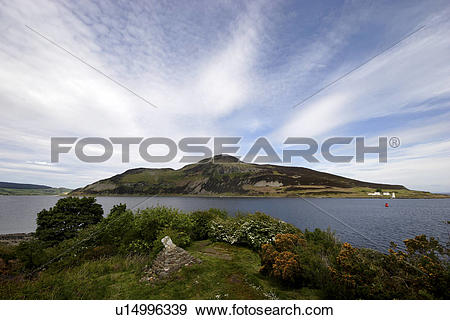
(226, 272)
(227, 176)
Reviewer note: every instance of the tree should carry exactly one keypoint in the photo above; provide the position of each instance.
(66, 218)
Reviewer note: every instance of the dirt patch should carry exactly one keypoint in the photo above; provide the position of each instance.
(235, 278)
(217, 252)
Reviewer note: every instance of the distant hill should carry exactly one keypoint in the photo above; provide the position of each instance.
(228, 176)
(23, 189)
(12, 185)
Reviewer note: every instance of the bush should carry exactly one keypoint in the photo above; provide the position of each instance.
(118, 229)
(201, 222)
(357, 274)
(419, 272)
(279, 260)
(32, 253)
(317, 260)
(139, 247)
(66, 218)
(300, 260)
(150, 222)
(99, 252)
(8, 259)
(252, 230)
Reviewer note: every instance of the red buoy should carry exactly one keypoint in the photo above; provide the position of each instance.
(386, 205)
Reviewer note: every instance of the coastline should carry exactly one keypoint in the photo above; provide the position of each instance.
(307, 196)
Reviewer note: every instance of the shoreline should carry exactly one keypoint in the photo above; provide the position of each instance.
(309, 196)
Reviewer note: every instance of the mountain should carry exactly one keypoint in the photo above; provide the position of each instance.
(12, 189)
(225, 175)
(12, 185)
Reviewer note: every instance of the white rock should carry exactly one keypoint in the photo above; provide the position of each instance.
(167, 242)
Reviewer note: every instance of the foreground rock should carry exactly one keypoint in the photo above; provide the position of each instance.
(168, 261)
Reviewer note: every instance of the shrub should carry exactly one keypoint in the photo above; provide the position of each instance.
(118, 228)
(300, 259)
(323, 242)
(99, 252)
(419, 272)
(288, 242)
(150, 222)
(139, 247)
(252, 230)
(66, 218)
(6, 252)
(8, 259)
(279, 260)
(32, 253)
(201, 220)
(286, 266)
(357, 274)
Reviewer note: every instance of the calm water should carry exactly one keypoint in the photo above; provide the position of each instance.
(359, 218)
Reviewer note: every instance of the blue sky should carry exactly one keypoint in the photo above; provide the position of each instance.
(226, 68)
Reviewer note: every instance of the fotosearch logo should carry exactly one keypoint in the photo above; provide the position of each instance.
(206, 147)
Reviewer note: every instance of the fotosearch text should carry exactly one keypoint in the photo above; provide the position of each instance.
(193, 149)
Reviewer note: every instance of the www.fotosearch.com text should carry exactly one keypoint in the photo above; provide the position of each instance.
(197, 148)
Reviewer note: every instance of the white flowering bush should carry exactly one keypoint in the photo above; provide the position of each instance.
(252, 230)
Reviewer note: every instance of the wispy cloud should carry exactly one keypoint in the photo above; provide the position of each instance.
(222, 68)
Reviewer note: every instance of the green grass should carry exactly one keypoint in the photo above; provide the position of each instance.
(151, 177)
(226, 272)
(33, 192)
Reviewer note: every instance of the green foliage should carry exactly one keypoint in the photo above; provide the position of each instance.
(419, 272)
(7, 252)
(118, 277)
(139, 247)
(32, 253)
(252, 230)
(358, 274)
(180, 238)
(300, 260)
(279, 260)
(150, 222)
(66, 218)
(201, 222)
(318, 253)
(317, 260)
(118, 228)
(424, 268)
(289, 258)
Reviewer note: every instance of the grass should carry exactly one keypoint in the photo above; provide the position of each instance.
(33, 192)
(226, 272)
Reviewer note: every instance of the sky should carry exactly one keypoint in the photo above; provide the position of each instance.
(225, 68)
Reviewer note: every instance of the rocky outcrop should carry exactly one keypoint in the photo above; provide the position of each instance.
(168, 261)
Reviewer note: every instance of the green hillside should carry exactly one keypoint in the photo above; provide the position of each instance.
(227, 176)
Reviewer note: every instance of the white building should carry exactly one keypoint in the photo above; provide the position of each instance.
(374, 193)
